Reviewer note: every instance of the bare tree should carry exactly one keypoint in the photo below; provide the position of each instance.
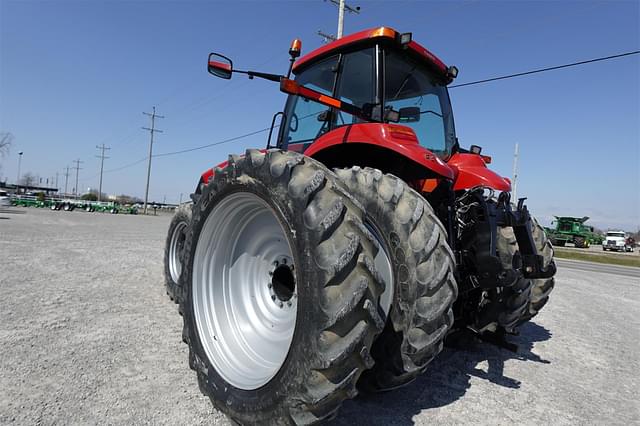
(28, 179)
(6, 139)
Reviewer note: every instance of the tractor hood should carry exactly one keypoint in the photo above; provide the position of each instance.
(472, 171)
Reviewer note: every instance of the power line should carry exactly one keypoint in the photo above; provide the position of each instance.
(127, 166)
(151, 130)
(557, 67)
(101, 157)
(232, 139)
(326, 38)
(235, 138)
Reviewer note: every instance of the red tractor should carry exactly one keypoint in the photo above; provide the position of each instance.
(339, 258)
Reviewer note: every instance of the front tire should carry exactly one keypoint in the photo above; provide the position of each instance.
(421, 275)
(280, 292)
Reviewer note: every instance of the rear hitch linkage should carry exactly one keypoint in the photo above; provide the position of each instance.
(483, 216)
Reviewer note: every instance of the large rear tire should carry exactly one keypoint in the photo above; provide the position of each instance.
(173, 251)
(421, 273)
(542, 287)
(513, 299)
(281, 298)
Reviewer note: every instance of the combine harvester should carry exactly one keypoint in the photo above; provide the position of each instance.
(339, 258)
(572, 230)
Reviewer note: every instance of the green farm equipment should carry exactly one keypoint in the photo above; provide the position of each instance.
(572, 230)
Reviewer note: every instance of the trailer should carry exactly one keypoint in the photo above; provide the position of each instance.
(69, 204)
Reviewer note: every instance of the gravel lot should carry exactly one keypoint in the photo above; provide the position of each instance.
(88, 336)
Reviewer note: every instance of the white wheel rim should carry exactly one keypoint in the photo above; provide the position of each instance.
(244, 294)
(382, 263)
(175, 250)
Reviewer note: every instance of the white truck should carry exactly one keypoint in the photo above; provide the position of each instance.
(616, 240)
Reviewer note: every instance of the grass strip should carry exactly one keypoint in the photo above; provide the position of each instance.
(598, 258)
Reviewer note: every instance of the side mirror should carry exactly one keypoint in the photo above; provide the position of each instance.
(220, 66)
(409, 114)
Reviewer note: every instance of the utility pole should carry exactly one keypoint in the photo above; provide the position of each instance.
(514, 193)
(78, 168)
(342, 6)
(101, 157)
(151, 130)
(66, 181)
(19, 164)
(57, 189)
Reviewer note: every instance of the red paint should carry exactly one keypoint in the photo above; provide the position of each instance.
(370, 34)
(206, 176)
(422, 51)
(394, 137)
(220, 65)
(472, 171)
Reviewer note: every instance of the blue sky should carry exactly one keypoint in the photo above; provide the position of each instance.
(75, 74)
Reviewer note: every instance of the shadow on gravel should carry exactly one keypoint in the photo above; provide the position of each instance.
(446, 380)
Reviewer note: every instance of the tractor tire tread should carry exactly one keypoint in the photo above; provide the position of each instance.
(347, 312)
(425, 289)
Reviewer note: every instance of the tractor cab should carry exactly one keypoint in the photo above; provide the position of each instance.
(376, 88)
(387, 78)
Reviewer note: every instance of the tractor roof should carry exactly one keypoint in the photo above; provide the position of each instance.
(369, 36)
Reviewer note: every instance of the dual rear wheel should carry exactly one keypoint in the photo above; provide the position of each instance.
(297, 283)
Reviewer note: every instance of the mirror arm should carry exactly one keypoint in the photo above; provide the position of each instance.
(291, 87)
(265, 75)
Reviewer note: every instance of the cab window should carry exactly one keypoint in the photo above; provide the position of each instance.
(421, 100)
(306, 120)
(356, 83)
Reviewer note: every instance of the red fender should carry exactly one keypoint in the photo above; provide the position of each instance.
(472, 171)
(206, 176)
(395, 137)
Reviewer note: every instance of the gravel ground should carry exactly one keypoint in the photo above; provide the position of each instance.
(88, 336)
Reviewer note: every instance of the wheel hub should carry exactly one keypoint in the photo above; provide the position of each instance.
(282, 286)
